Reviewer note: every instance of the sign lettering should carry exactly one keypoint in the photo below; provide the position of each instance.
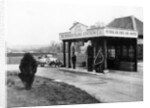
(106, 32)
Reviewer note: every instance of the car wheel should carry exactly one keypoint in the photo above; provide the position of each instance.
(53, 64)
(42, 65)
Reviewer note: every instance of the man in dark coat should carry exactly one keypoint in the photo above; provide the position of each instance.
(28, 68)
(74, 61)
(73, 57)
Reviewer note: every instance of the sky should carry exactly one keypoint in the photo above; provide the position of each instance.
(39, 22)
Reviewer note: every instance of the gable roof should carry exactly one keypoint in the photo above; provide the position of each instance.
(139, 26)
(74, 24)
(129, 23)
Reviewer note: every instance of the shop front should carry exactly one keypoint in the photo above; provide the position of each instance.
(116, 46)
(110, 48)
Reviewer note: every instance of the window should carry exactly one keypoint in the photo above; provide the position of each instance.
(124, 52)
(111, 52)
(131, 52)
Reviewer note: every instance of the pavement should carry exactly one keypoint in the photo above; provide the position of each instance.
(115, 86)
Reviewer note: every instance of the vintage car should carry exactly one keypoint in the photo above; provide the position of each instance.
(42, 61)
(49, 60)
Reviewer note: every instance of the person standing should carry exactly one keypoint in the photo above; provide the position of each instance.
(74, 61)
(73, 57)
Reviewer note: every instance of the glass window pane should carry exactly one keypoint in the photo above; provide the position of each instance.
(131, 52)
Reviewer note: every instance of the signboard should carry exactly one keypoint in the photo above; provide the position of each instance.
(86, 34)
(120, 33)
(105, 32)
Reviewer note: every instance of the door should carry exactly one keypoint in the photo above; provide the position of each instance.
(111, 57)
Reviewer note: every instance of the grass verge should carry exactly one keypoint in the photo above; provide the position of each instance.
(44, 92)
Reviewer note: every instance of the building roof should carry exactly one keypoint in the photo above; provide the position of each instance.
(129, 22)
(74, 24)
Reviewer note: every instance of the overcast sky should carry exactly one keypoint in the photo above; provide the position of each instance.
(38, 22)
